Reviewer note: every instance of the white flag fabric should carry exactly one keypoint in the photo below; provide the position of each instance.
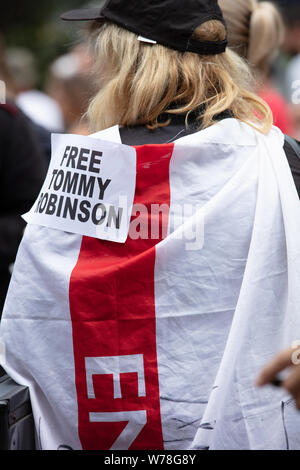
(156, 343)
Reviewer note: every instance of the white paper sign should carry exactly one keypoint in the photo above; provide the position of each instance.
(89, 188)
(112, 134)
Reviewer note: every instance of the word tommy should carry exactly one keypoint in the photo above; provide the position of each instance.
(73, 186)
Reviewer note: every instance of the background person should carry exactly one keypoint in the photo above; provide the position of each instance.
(42, 135)
(70, 84)
(256, 32)
(291, 83)
(23, 166)
(22, 171)
(37, 105)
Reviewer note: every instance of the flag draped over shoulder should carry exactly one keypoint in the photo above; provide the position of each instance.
(156, 343)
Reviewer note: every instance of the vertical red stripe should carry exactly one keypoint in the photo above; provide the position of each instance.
(112, 302)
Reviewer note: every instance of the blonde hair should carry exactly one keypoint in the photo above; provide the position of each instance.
(142, 82)
(255, 30)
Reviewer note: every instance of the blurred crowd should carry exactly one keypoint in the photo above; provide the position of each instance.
(29, 114)
(59, 105)
(285, 69)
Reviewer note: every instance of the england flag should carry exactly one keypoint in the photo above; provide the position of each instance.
(152, 285)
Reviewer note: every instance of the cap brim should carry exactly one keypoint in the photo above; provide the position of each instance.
(84, 14)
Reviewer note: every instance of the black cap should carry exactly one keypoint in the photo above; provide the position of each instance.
(167, 22)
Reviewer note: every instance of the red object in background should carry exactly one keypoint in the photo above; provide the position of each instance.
(280, 109)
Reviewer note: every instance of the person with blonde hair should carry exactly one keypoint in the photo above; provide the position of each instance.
(256, 31)
(143, 328)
